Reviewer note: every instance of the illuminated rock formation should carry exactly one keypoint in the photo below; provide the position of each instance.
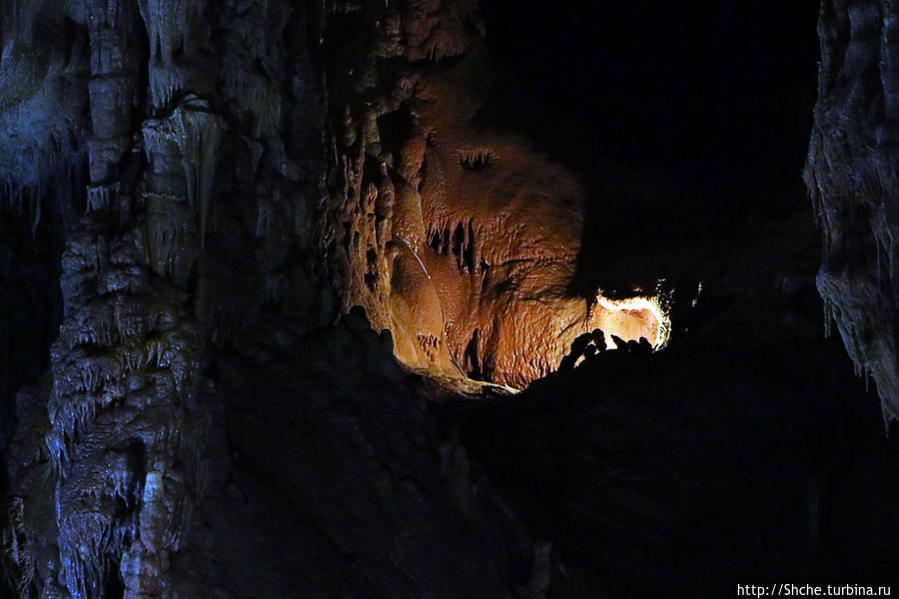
(455, 235)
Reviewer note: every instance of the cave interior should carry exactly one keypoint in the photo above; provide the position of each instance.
(249, 347)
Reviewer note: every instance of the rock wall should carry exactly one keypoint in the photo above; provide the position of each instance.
(852, 177)
(164, 152)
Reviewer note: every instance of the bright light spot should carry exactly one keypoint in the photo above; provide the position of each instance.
(633, 319)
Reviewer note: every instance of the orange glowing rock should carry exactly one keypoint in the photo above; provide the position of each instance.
(484, 232)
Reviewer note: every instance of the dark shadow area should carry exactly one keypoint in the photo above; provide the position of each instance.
(747, 450)
(30, 305)
(686, 120)
(687, 473)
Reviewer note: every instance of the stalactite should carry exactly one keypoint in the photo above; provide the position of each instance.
(852, 179)
(198, 133)
(100, 198)
(169, 24)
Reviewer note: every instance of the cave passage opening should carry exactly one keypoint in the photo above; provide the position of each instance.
(634, 319)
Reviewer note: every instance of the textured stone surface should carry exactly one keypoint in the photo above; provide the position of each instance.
(851, 174)
(453, 233)
(112, 119)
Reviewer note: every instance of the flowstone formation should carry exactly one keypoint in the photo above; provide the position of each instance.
(126, 431)
(853, 180)
(455, 235)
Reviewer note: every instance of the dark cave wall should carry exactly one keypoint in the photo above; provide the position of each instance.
(158, 165)
(851, 175)
(43, 113)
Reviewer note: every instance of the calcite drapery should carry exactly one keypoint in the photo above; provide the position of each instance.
(852, 177)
